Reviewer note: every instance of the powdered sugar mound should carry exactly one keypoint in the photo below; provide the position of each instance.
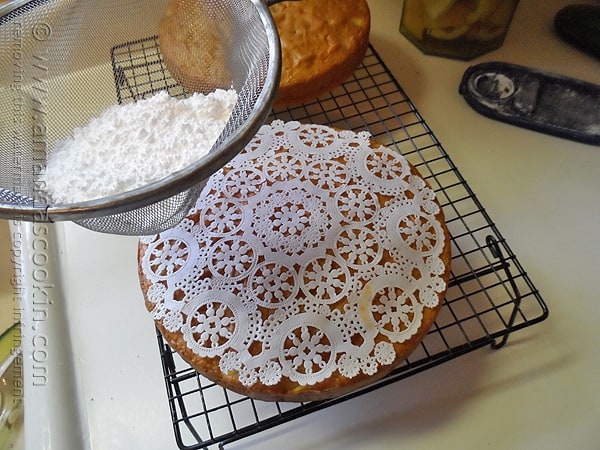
(129, 146)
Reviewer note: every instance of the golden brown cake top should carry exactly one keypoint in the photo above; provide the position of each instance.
(196, 45)
(322, 42)
(313, 262)
(329, 29)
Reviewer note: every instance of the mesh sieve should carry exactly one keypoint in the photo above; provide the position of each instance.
(57, 71)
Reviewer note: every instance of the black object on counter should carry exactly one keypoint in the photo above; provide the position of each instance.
(579, 25)
(534, 99)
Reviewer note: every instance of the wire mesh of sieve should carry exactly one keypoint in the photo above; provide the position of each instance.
(57, 71)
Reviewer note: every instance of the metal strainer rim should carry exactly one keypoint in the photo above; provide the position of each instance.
(183, 179)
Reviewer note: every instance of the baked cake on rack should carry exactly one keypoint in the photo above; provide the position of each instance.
(312, 264)
(322, 44)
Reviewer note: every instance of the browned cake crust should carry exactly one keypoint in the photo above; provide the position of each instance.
(336, 384)
(194, 46)
(322, 44)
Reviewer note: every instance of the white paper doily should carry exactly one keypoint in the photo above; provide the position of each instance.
(310, 253)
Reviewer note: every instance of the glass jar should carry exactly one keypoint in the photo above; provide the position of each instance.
(462, 29)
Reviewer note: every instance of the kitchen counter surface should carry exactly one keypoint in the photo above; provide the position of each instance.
(541, 391)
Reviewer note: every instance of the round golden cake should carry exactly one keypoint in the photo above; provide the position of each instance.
(193, 42)
(312, 264)
(322, 44)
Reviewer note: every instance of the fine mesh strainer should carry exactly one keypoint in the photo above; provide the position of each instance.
(58, 70)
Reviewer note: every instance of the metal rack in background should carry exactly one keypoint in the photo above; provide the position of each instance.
(489, 297)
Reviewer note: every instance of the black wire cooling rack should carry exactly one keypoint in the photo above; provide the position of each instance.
(489, 297)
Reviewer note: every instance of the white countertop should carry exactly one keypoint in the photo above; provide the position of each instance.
(541, 391)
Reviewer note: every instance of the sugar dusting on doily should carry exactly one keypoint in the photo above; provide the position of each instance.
(334, 293)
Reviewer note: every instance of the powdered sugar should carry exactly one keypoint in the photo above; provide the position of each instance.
(129, 146)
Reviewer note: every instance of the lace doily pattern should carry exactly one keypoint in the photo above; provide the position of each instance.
(312, 253)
